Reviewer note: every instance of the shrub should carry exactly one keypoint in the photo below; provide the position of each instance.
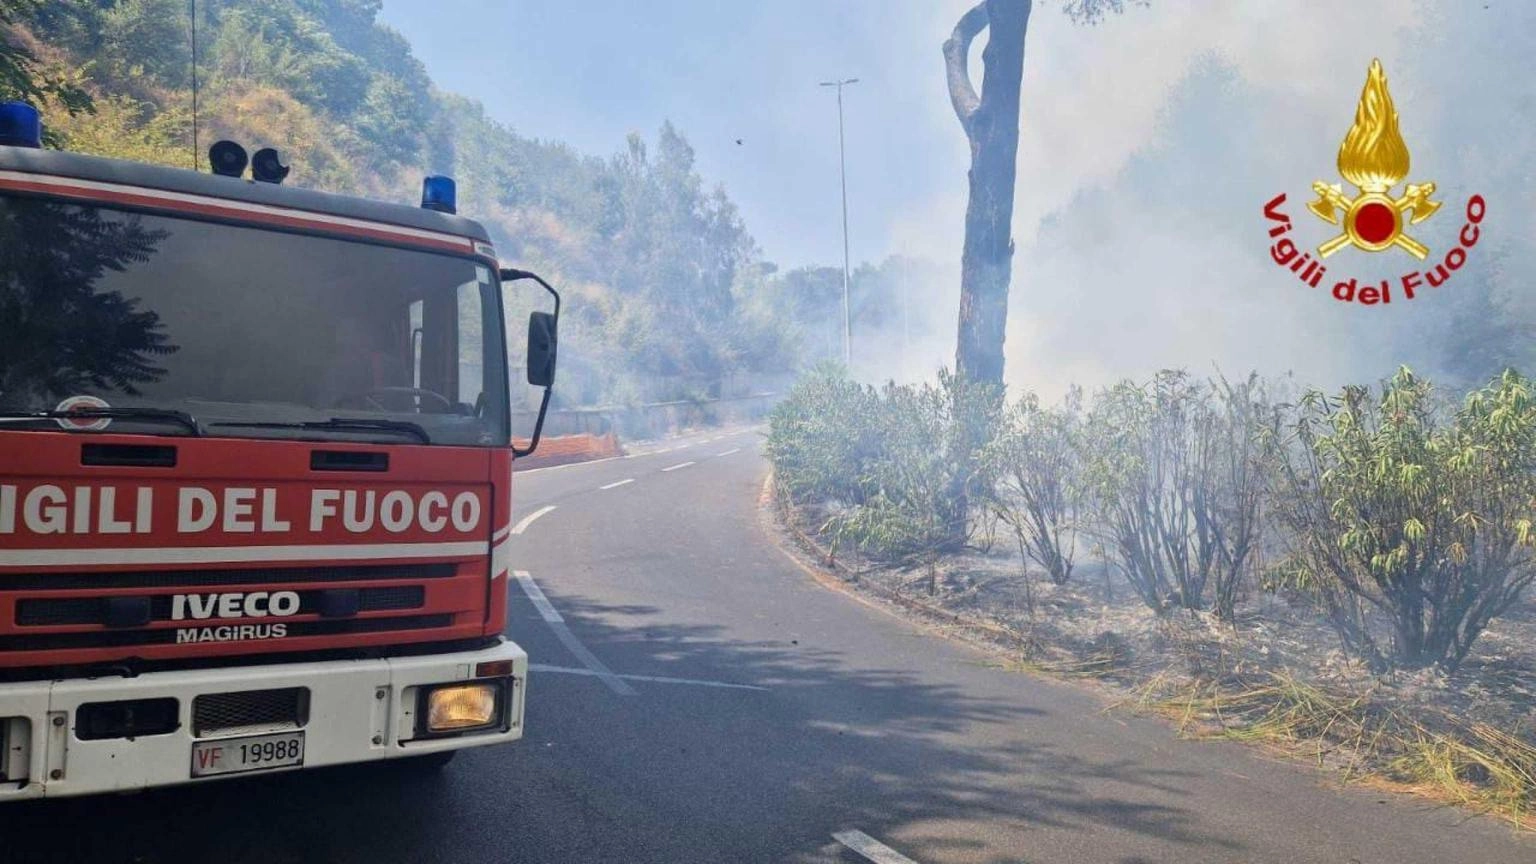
(1173, 478)
(1231, 509)
(1407, 521)
(821, 439)
(1037, 469)
(883, 462)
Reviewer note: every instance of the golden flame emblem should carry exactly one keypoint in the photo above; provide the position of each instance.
(1374, 158)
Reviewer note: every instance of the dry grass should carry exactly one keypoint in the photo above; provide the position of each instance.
(1472, 764)
(1476, 765)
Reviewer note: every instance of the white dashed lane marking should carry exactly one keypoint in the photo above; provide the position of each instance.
(871, 848)
(616, 484)
(673, 468)
(522, 526)
(729, 452)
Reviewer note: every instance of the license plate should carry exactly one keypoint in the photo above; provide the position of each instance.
(258, 752)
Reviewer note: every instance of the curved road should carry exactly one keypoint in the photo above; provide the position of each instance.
(697, 698)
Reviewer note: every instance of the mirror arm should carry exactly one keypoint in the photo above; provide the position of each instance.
(509, 274)
(538, 429)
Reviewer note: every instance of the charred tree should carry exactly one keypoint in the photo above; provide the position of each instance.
(991, 124)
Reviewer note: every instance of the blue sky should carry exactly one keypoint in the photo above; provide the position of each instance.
(589, 73)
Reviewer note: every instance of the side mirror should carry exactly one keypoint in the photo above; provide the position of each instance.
(542, 341)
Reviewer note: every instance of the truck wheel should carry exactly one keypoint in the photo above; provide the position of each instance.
(429, 763)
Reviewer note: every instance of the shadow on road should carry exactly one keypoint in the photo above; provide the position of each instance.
(833, 746)
(674, 773)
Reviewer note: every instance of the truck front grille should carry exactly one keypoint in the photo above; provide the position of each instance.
(56, 611)
(250, 712)
(49, 618)
(167, 635)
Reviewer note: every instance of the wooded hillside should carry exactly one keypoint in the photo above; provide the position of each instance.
(668, 295)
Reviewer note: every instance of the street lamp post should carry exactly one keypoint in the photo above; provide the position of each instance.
(842, 167)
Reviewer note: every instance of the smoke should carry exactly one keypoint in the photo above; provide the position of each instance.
(1151, 141)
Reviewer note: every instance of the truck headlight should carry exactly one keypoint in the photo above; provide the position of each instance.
(462, 707)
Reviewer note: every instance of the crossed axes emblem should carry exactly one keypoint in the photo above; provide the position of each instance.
(1415, 204)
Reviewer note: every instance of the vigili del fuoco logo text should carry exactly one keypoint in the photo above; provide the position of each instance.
(1374, 158)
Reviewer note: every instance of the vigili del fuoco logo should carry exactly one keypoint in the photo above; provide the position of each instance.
(1373, 158)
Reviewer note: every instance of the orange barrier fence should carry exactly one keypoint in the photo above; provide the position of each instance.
(583, 434)
(560, 449)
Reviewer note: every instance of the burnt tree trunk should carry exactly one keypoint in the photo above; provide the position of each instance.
(991, 123)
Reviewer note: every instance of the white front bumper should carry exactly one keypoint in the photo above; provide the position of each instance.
(359, 711)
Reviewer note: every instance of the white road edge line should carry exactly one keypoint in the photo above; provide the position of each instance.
(535, 594)
(617, 484)
(730, 451)
(654, 679)
(871, 848)
(522, 526)
(677, 466)
(557, 624)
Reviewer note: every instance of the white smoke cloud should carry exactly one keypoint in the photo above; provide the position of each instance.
(1150, 142)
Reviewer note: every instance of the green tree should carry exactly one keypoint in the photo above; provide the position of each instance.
(146, 37)
(811, 298)
(20, 77)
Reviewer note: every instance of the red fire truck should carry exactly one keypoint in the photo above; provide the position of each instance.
(255, 481)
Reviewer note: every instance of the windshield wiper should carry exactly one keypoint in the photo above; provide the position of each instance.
(156, 415)
(341, 424)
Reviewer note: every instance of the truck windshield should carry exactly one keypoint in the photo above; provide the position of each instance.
(253, 332)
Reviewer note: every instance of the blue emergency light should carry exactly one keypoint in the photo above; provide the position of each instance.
(439, 193)
(20, 125)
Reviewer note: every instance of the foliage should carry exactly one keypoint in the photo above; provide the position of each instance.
(1036, 460)
(125, 128)
(1094, 11)
(22, 79)
(881, 461)
(820, 440)
(1399, 514)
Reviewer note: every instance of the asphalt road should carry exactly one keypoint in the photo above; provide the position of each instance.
(698, 698)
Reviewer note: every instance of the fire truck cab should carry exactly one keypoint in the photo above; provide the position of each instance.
(255, 473)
